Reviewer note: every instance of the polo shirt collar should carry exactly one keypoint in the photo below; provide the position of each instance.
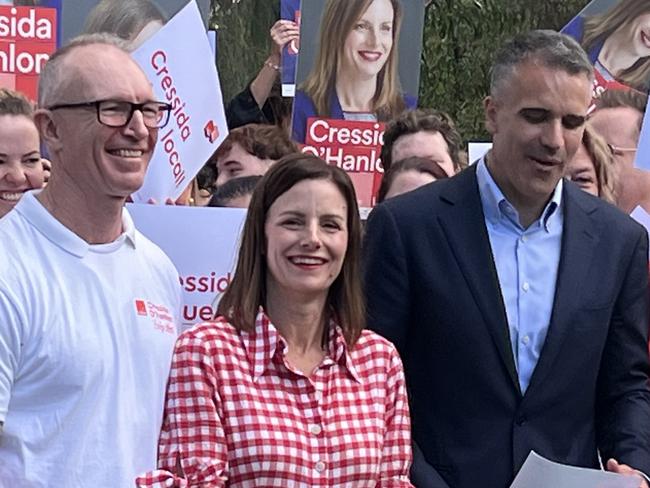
(39, 217)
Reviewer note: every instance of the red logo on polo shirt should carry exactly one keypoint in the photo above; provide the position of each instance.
(159, 315)
(141, 307)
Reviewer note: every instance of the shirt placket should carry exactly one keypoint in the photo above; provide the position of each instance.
(317, 428)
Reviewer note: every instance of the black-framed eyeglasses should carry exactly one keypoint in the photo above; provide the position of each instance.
(117, 113)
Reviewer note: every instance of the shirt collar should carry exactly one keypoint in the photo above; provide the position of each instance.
(265, 342)
(497, 207)
(38, 216)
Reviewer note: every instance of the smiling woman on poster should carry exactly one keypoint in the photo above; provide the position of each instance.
(354, 76)
(618, 42)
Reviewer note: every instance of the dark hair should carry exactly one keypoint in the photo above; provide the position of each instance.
(206, 177)
(247, 292)
(235, 188)
(423, 165)
(261, 140)
(623, 98)
(427, 120)
(549, 48)
(15, 103)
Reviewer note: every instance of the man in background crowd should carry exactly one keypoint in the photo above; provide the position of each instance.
(518, 301)
(424, 133)
(250, 150)
(88, 306)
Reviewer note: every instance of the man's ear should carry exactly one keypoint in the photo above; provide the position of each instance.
(48, 129)
(490, 107)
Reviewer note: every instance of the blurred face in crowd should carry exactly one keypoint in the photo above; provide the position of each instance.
(536, 119)
(408, 180)
(20, 160)
(580, 169)
(238, 162)
(619, 126)
(370, 41)
(424, 144)
(110, 161)
(306, 238)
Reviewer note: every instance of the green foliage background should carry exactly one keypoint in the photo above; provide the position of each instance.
(459, 39)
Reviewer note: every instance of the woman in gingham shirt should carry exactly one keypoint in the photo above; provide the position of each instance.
(285, 388)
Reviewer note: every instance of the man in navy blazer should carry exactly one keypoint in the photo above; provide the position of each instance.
(518, 302)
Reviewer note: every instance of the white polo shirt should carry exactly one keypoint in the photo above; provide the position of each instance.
(86, 338)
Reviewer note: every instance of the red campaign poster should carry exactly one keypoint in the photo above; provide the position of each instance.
(358, 68)
(352, 146)
(28, 36)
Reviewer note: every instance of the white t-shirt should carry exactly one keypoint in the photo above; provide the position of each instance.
(86, 338)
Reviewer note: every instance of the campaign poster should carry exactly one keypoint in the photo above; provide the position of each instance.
(203, 243)
(174, 58)
(616, 36)
(357, 69)
(76, 13)
(28, 36)
(290, 10)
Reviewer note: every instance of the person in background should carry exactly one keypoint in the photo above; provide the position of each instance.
(354, 76)
(21, 166)
(235, 193)
(408, 174)
(135, 21)
(89, 307)
(618, 118)
(424, 133)
(517, 301)
(203, 186)
(261, 102)
(592, 167)
(286, 387)
(250, 150)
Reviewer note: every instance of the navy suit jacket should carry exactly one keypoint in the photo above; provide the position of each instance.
(432, 289)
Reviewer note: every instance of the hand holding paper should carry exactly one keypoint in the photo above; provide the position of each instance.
(538, 472)
(614, 466)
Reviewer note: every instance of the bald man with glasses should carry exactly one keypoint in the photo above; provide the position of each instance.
(89, 307)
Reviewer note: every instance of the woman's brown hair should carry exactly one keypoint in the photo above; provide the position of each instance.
(247, 291)
(597, 28)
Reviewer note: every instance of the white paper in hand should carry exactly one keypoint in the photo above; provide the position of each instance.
(538, 472)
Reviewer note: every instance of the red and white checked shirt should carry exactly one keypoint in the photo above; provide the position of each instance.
(239, 415)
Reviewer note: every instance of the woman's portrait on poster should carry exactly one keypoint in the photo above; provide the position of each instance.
(618, 42)
(354, 75)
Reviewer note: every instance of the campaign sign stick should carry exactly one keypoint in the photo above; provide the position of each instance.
(202, 242)
(290, 10)
(179, 63)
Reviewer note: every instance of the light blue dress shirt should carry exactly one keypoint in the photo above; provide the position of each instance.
(527, 264)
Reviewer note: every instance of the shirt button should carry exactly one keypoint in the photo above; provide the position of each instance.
(524, 239)
(315, 429)
(525, 286)
(319, 466)
(525, 340)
